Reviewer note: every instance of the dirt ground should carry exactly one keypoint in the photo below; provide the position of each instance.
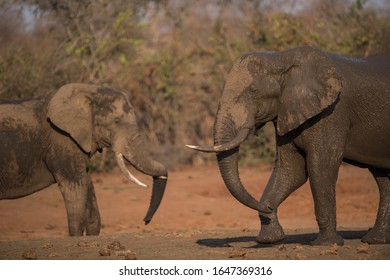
(198, 219)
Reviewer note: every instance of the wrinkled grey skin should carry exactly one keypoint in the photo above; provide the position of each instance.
(50, 139)
(326, 109)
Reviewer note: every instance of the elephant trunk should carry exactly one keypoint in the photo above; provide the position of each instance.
(137, 154)
(227, 142)
(228, 166)
(159, 184)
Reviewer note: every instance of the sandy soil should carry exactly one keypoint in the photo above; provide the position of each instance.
(198, 219)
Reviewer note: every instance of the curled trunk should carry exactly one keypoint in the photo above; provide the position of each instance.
(228, 166)
(226, 132)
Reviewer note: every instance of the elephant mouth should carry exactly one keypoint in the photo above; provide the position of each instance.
(120, 160)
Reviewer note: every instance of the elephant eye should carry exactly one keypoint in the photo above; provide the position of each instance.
(117, 120)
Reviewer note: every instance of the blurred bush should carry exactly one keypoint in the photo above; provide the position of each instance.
(171, 57)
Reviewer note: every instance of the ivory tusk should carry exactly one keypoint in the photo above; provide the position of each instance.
(126, 172)
(192, 147)
(207, 149)
(235, 142)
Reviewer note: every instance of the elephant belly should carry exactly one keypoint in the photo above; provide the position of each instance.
(22, 168)
(372, 149)
(17, 183)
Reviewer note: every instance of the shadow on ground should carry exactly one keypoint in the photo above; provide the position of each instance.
(302, 239)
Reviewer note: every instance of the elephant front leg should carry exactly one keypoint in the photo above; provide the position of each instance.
(271, 231)
(75, 194)
(288, 175)
(323, 172)
(92, 215)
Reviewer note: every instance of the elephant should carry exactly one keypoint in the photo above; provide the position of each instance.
(326, 109)
(50, 139)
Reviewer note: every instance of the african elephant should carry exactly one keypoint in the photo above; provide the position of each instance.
(50, 139)
(325, 109)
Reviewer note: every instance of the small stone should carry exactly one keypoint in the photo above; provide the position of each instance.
(236, 254)
(47, 246)
(130, 255)
(83, 243)
(116, 246)
(30, 255)
(298, 248)
(104, 252)
(363, 249)
(282, 248)
(333, 250)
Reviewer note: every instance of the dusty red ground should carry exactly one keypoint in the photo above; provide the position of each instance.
(196, 201)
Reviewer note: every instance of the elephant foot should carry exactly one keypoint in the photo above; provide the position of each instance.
(377, 237)
(93, 225)
(93, 229)
(324, 239)
(268, 238)
(271, 232)
(75, 233)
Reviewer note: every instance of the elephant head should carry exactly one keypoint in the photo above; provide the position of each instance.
(287, 88)
(96, 118)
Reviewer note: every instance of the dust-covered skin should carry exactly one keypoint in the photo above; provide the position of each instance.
(326, 109)
(50, 139)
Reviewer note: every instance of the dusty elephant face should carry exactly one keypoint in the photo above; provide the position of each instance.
(114, 120)
(288, 88)
(115, 127)
(96, 118)
(249, 97)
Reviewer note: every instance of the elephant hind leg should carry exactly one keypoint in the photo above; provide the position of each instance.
(323, 167)
(380, 233)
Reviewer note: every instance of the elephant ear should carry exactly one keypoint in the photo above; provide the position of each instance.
(310, 85)
(70, 110)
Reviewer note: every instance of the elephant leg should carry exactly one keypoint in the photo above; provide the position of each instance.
(323, 172)
(288, 175)
(75, 195)
(380, 233)
(92, 215)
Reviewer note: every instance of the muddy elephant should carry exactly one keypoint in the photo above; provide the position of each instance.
(50, 139)
(326, 109)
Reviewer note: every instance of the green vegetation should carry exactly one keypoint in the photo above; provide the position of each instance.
(171, 57)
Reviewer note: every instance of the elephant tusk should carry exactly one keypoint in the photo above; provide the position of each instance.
(126, 172)
(240, 137)
(206, 149)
